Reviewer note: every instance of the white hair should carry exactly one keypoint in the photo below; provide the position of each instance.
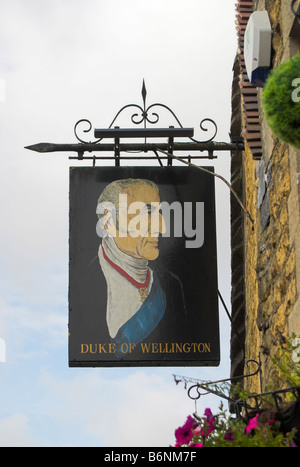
(110, 194)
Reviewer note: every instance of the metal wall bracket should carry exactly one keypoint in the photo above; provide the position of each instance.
(243, 407)
(143, 115)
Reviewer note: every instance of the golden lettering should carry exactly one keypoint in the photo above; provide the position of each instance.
(175, 347)
(153, 347)
(84, 348)
(91, 348)
(145, 347)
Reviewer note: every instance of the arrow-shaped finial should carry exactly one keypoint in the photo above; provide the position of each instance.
(41, 147)
(144, 93)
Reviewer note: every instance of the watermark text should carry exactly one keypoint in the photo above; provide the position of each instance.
(2, 351)
(139, 219)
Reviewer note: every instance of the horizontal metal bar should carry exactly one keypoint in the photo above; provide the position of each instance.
(81, 148)
(143, 132)
(139, 157)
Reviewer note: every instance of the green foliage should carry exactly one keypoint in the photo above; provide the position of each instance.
(288, 362)
(281, 102)
(262, 430)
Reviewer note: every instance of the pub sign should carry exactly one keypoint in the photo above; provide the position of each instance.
(143, 267)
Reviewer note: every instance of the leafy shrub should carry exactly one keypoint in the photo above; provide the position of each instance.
(281, 102)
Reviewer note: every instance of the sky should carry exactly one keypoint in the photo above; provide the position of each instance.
(61, 61)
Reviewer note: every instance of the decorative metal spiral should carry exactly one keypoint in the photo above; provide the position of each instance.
(199, 388)
(90, 126)
(196, 387)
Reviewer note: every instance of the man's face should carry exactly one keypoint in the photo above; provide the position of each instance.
(140, 222)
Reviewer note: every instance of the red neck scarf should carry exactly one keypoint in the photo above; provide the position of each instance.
(138, 285)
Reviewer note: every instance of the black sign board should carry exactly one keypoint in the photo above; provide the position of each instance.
(143, 267)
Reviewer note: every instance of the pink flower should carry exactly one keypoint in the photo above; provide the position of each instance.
(209, 416)
(197, 430)
(184, 434)
(209, 423)
(197, 445)
(253, 423)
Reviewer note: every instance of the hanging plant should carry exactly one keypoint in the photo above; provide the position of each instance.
(271, 422)
(222, 431)
(281, 101)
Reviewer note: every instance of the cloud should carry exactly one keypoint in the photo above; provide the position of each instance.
(16, 432)
(139, 409)
(32, 331)
(97, 408)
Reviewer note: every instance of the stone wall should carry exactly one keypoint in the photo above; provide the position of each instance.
(271, 252)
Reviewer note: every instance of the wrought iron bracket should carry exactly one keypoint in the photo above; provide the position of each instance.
(242, 407)
(209, 387)
(160, 150)
(143, 115)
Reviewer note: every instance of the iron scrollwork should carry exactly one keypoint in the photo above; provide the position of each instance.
(199, 388)
(144, 115)
(248, 404)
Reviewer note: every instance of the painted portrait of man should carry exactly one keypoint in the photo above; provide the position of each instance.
(136, 301)
(142, 268)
